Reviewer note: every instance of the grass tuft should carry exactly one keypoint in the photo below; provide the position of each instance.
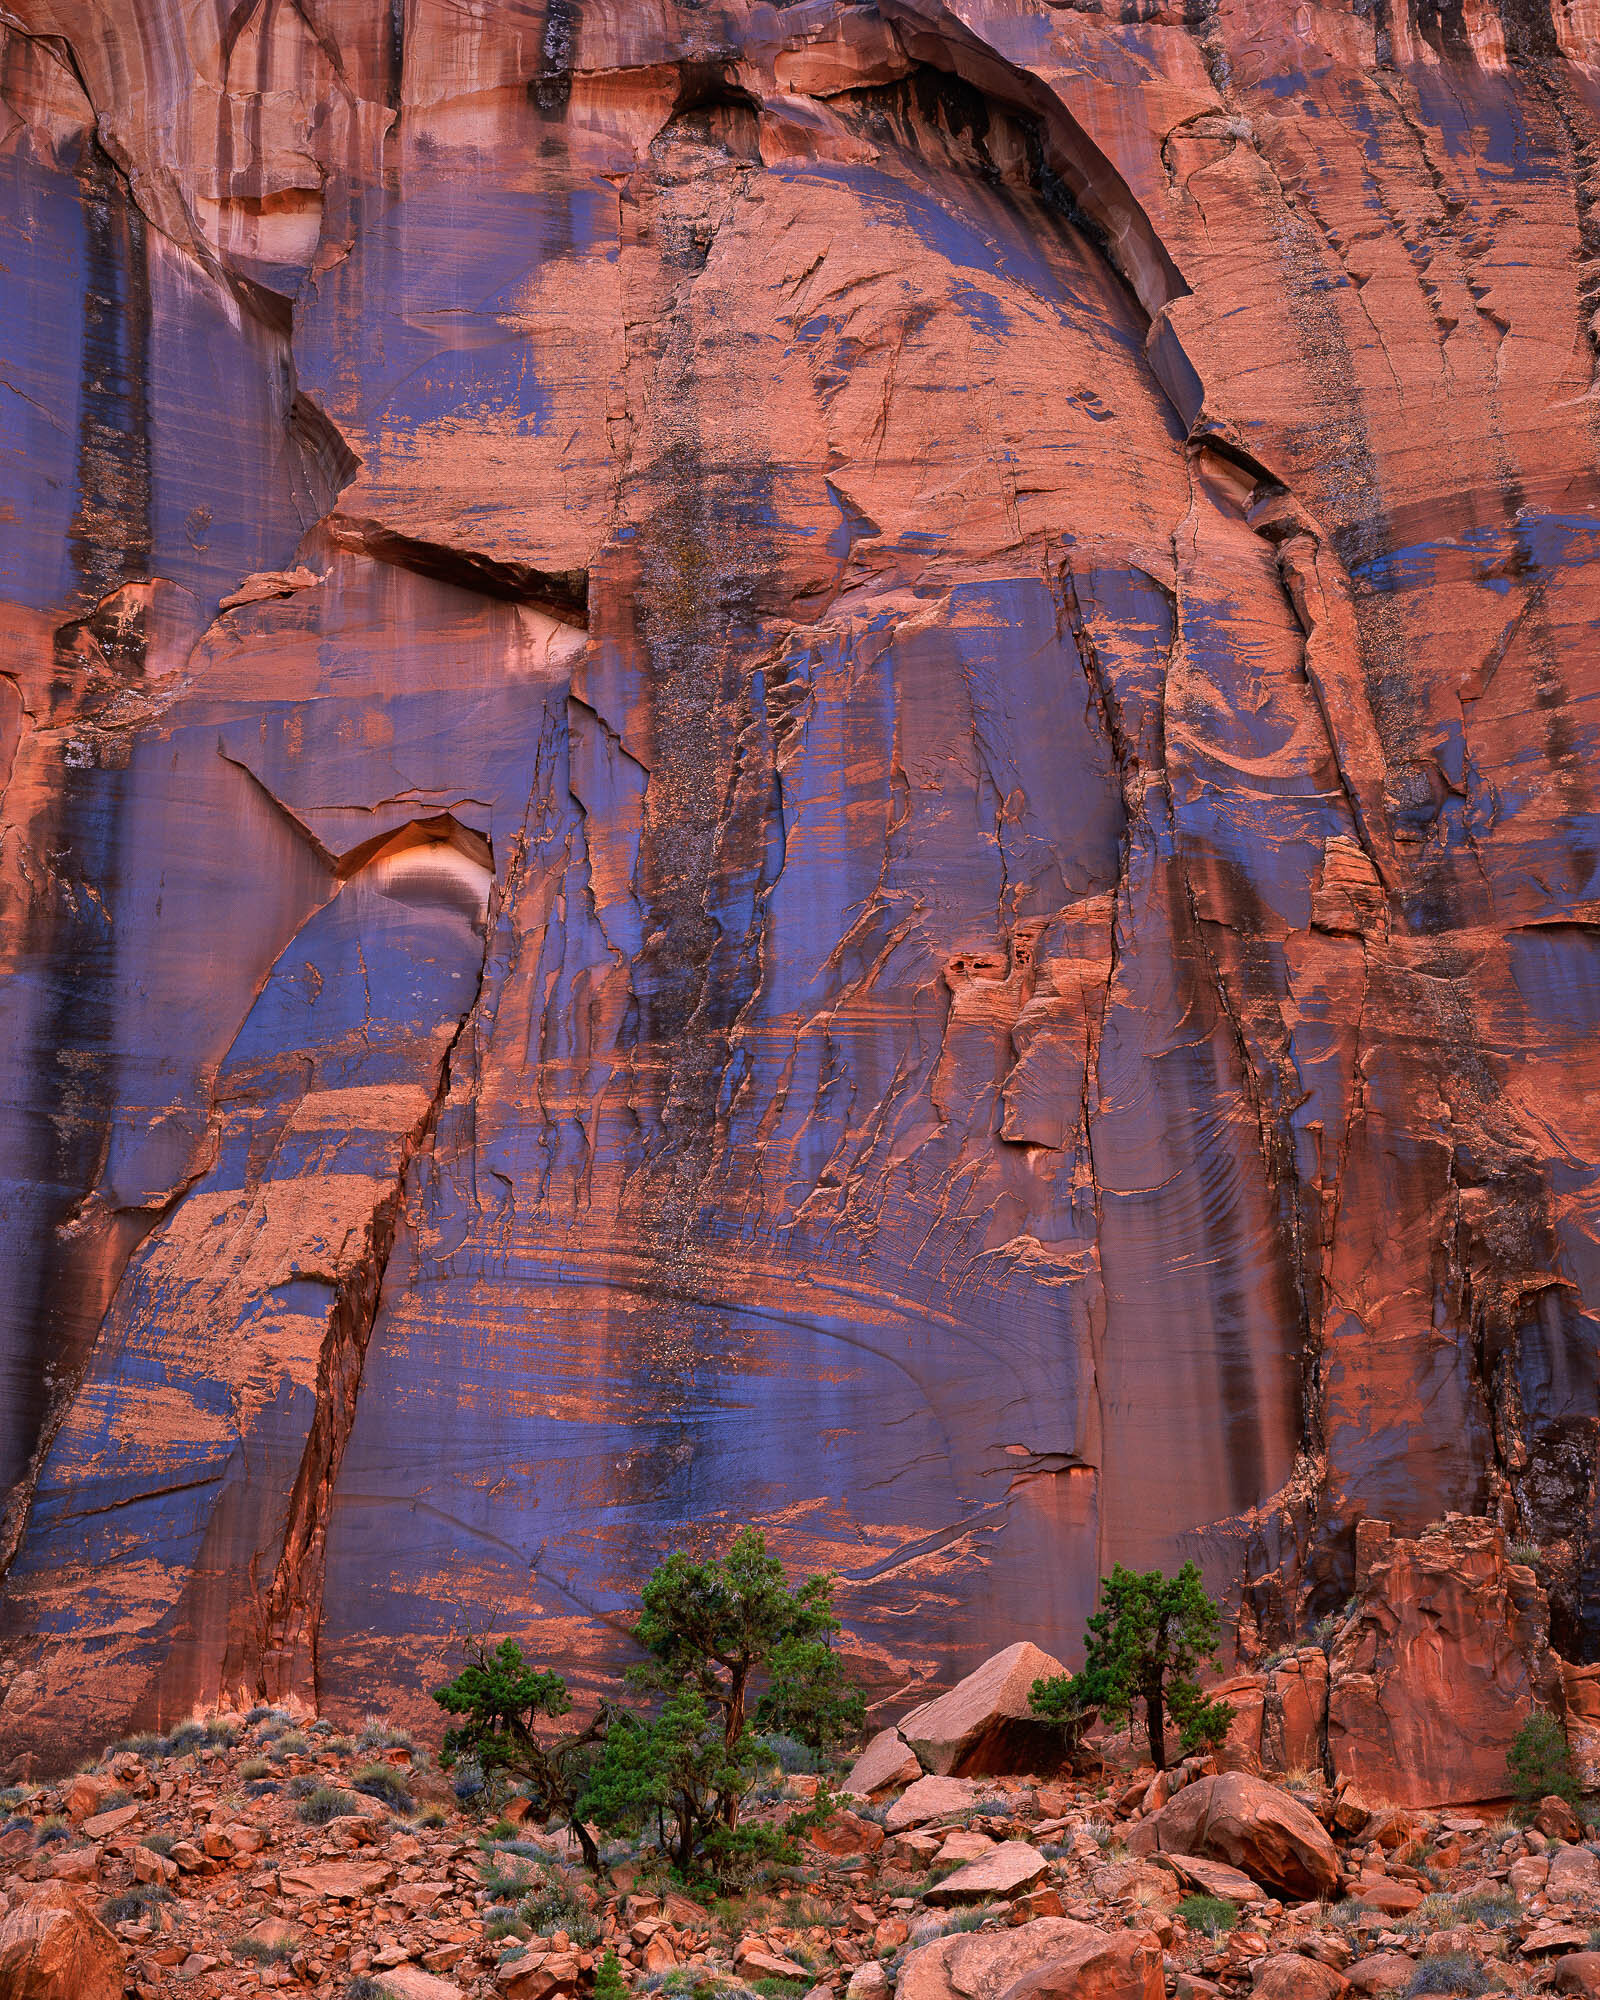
(383, 1782)
(1453, 1972)
(128, 1905)
(1212, 1915)
(327, 1803)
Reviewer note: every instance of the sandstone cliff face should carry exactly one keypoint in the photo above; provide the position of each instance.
(826, 763)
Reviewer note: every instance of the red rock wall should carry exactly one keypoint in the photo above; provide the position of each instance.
(819, 763)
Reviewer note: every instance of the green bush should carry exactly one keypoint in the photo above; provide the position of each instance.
(1146, 1643)
(609, 1983)
(501, 1699)
(1539, 1763)
(730, 1643)
(1211, 1914)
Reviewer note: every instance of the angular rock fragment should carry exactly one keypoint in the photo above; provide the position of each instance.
(1252, 1826)
(52, 1948)
(1006, 1870)
(984, 1726)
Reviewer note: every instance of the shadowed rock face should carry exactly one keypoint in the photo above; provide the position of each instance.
(821, 764)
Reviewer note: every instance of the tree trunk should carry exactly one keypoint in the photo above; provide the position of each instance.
(1155, 1720)
(591, 1853)
(734, 1725)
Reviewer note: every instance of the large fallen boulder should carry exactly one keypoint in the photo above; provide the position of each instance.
(1285, 1975)
(1051, 1958)
(984, 1726)
(1252, 1826)
(52, 1948)
(1436, 1669)
(928, 1799)
(1006, 1870)
(887, 1761)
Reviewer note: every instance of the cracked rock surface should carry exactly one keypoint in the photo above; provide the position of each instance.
(815, 763)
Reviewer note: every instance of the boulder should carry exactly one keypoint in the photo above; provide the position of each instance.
(1394, 1899)
(1578, 1972)
(847, 1833)
(75, 1864)
(85, 1793)
(868, 1982)
(410, 1982)
(1556, 1820)
(984, 1725)
(1382, 1972)
(1137, 1882)
(1526, 1875)
(52, 1948)
(928, 1799)
(755, 1961)
(1285, 1975)
(102, 1826)
(1005, 1870)
(334, 1881)
(1434, 1672)
(1574, 1875)
(1051, 1958)
(887, 1761)
(961, 1846)
(1213, 1878)
(1252, 1826)
(1547, 1940)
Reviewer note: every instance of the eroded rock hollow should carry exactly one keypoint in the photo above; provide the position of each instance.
(815, 763)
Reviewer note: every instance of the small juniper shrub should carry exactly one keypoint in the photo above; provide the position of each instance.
(1539, 1763)
(609, 1983)
(327, 1803)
